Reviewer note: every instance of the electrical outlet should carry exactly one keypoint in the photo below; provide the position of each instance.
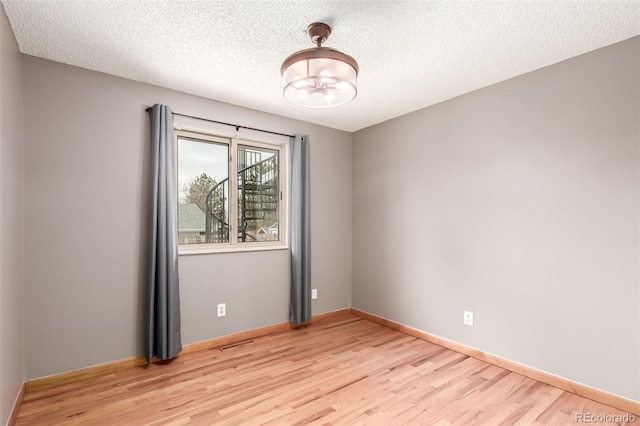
(314, 293)
(468, 318)
(222, 309)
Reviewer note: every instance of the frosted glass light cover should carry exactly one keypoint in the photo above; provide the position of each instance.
(327, 82)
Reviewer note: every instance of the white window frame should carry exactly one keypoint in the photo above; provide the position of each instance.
(283, 180)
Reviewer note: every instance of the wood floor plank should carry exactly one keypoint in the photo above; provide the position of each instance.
(342, 371)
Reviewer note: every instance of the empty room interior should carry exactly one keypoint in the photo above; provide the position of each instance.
(330, 212)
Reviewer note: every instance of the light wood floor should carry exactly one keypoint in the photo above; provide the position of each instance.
(343, 371)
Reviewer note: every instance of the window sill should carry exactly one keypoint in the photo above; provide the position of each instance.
(186, 251)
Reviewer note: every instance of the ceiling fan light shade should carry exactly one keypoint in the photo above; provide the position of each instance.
(319, 77)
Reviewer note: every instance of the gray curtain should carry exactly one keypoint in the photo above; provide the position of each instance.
(163, 297)
(300, 231)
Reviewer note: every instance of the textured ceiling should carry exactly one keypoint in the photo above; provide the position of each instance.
(412, 54)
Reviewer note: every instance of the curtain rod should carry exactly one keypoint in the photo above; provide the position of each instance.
(237, 126)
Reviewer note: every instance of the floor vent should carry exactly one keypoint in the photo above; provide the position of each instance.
(245, 342)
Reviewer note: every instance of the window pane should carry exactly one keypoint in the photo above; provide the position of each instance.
(258, 194)
(203, 192)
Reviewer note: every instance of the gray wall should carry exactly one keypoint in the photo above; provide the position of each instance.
(519, 202)
(11, 188)
(86, 138)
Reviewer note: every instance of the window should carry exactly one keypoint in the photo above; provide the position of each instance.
(230, 194)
